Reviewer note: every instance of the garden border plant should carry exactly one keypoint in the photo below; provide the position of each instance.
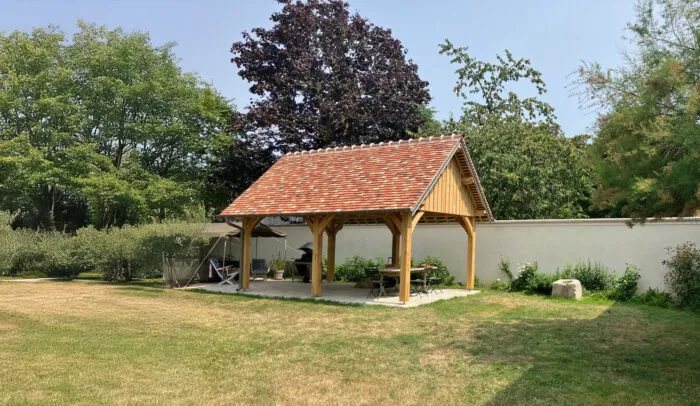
(595, 278)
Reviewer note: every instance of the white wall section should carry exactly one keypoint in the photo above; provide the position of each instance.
(552, 243)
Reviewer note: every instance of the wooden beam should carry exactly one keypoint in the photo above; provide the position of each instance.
(390, 224)
(395, 218)
(468, 180)
(324, 221)
(416, 219)
(480, 213)
(248, 224)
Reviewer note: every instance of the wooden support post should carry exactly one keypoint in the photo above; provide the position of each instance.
(408, 223)
(331, 231)
(471, 255)
(468, 224)
(395, 247)
(317, 224)
(249, 224)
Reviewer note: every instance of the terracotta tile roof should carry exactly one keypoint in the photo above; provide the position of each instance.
(389, 176)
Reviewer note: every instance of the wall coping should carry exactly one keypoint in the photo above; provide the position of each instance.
(596, 221)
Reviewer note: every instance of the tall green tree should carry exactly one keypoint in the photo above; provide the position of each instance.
(322, 77)
(105, 129)
(647, 146)
(528, 168)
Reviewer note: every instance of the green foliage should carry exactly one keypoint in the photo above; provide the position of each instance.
(526, 274)
(489, 80)
(103, 130)
(353, 269)
(528, 168)
(683, 277)
(653, 297)
(277, 263)
(440, 270)
(594, 276)
(500, 285)
(122, 254)
(626, 285)
(504, 266)
(647, 143)
(119, 254)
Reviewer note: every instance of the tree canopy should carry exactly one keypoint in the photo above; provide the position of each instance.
(325, 77)
(103, 130)
(647, 145)
(528, 168)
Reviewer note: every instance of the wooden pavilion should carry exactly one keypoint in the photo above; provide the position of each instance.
(400, 184)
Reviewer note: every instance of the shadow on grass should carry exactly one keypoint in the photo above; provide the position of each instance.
(629, 354)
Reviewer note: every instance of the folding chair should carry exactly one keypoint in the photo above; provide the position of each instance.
(226, 273)
(375, 287)
(434, 285)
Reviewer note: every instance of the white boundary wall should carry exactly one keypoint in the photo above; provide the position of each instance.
(552, 243)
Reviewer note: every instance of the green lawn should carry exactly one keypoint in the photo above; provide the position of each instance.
(88, 342)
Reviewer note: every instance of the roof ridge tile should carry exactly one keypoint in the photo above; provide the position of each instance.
(407, 141)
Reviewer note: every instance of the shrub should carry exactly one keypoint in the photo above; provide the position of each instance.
(353, 269)
(594, 276)
(119, 254)
(37, 253)
(542, 283)
(500, 285)
(683, 277)
(526, 273)
(653, 297)
(440, 270)
(626, 285)
(112, 252)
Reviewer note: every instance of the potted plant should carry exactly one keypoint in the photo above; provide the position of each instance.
(277, 265)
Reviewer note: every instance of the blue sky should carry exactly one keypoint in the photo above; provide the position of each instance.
(554, 34)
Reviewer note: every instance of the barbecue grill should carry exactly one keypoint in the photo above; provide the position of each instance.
(303, 264)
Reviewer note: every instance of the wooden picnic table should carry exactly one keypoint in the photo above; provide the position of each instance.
(396, 272)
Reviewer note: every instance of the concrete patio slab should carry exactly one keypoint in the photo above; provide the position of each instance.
(338, 292)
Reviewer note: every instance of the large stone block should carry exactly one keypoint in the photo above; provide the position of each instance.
(570, 288)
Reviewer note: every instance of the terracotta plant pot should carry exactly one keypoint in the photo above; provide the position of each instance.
(279, 275)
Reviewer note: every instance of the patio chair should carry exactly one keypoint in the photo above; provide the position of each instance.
(417, 287)
(434, 285)
(375, 286)
(259, 269)
(226, 273)
(391, 284)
